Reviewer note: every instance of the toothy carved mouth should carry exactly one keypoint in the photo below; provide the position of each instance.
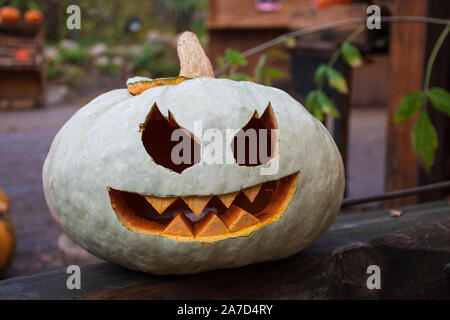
(205, 218)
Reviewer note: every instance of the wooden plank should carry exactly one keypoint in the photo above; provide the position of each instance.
(241, 14)
(20, 28)
(341, 125)
(406, 67)
(412, 252)
(22, 83)
(371, 82)
(311, 17)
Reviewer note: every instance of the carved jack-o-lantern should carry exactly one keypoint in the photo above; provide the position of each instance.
(111, 180)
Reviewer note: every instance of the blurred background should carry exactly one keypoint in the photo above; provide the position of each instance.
(47, 72)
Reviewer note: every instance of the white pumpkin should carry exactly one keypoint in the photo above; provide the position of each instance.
(98, 158)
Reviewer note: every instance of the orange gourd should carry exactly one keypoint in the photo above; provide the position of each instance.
(9, 14)
(33, 16)
(7, 233)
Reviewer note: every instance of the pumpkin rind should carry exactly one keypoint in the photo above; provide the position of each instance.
(100, 147)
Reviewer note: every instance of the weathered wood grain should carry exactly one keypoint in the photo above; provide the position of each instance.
(407, 60)
(412, 251)
(440, 171)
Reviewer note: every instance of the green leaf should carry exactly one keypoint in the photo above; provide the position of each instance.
(318, 113)
(440, 99)
(351, 55)
(312, 105)
(311, 100)
(270, 73)
(273, 72)
(279, 54)
(220, 62)
(240, 77)
(235, 58)
(326, 105)
(320, 73)
(257, 73)
(337, 81)
(409, 105)
(425, 139)
(290, 42)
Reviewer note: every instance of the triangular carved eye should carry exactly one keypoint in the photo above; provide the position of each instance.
(257, 142)
(156, 136)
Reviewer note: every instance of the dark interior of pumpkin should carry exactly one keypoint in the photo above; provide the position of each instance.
(258, 132)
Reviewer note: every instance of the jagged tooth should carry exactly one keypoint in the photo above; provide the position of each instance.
(252, 192)
(179, 226)
(160, 204)
(237, 218)
(227, 199)
(197, 203)
(211, 225)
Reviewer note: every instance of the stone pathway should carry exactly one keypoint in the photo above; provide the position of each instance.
(25, 138)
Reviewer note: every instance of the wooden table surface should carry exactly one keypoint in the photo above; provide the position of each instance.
(412, 251)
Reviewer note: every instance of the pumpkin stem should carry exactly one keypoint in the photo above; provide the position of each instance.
(193, 61)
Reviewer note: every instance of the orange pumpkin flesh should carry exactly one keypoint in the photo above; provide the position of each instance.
(180, 226)
(9, 14)
(216, 222)
(7, 233)
(237, 218)
(137, 88)
(4, 203)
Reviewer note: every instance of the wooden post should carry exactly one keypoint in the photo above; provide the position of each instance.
(407, 59)
(439, 78)
(342, 125)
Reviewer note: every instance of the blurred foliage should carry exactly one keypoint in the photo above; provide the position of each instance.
(54, 72)
(109, 68)
(317, 102)
(155, 61)
(424, 135)
(75, 56)
(107, 21)
(232, 60)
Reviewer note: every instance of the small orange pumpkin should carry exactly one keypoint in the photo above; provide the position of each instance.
(9, 14)
(7, 233)
(34, 16)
